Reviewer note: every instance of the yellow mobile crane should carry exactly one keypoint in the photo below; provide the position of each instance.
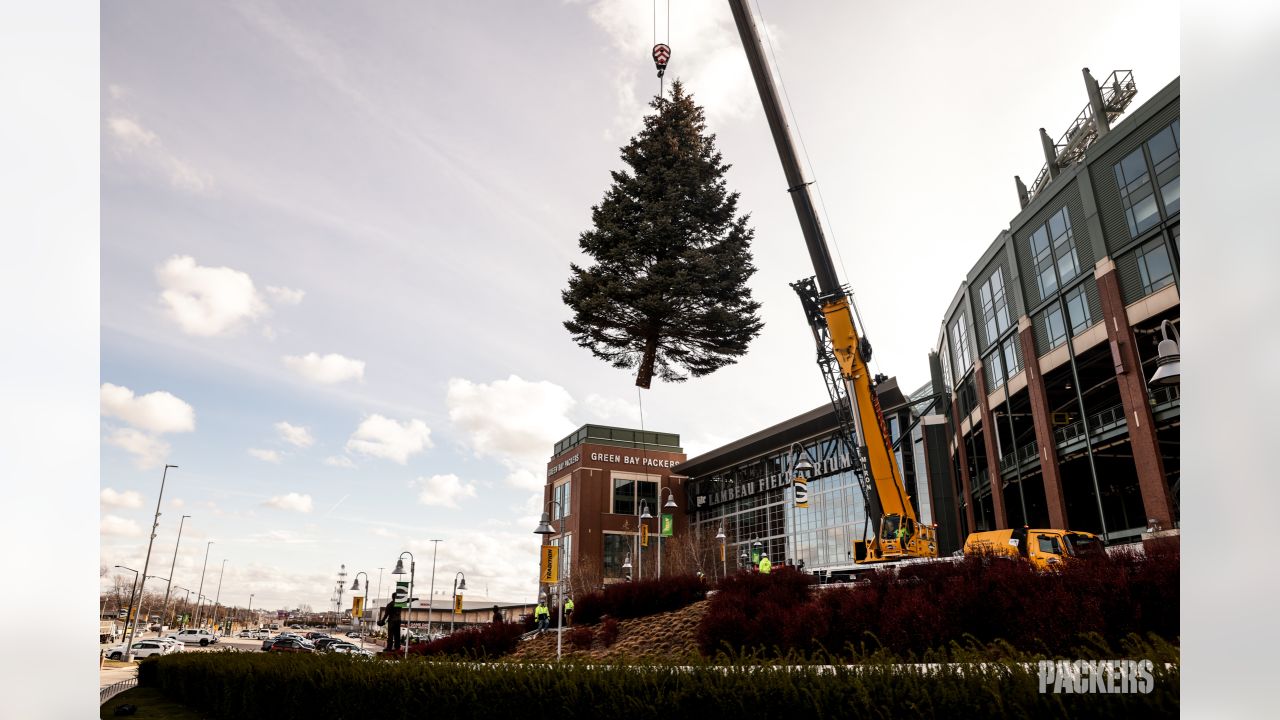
(843, 352)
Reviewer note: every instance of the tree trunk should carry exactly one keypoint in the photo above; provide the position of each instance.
(645, 376)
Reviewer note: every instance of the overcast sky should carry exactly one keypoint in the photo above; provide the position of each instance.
(334, 237)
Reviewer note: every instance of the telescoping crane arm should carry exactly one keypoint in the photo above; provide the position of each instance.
(842, 352)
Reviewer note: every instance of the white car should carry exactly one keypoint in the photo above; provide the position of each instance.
(195, 636)
(141, 649)
(174, 645)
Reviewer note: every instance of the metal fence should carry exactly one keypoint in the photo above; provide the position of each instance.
(111, 691)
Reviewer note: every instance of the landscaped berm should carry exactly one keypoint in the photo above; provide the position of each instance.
(941, 640)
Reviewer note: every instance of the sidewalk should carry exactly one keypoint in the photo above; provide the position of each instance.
(112, 675)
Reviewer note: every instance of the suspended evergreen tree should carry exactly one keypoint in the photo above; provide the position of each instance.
(668, 293)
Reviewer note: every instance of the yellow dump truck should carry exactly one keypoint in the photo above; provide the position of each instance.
(1042, 548)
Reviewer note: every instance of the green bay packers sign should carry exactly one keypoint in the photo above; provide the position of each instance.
(801, 488)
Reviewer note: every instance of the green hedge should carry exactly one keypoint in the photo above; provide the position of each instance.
(247, 686)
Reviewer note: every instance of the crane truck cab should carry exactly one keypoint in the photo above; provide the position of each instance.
(1042, 548)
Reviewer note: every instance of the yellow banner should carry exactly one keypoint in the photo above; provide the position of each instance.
(801, 488)
(644, 536)
(549, 565)
(357, 606)
(457, 604)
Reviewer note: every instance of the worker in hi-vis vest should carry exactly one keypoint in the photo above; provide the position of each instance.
(765, 565)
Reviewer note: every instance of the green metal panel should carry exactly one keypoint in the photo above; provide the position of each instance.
(1103, 175)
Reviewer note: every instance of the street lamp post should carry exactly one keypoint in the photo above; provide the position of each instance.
(671, 503)
(399, 570)
(249, 611)
(724, 559)
(165, 606)
(641, 517)
(756, 550)
(456, 587)
(544, 529)
(218, 595)
(142, 608)
(175, 603)
(431, 601)
(200, 589)
(146, 564)
(128, 615)
(626, 565)
(364, 610)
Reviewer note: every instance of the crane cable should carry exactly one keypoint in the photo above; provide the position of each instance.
(661, 51)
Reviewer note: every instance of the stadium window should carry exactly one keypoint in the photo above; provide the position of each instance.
(1153, 263)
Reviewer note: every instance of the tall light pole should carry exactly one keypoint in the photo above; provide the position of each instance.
(217, 596)
(399, 570)
(128, 615)
(456, 587)
(200, 590)
(146, 564)
(250, 610)
(724, 559)
(366, 587)
(671, 504)
(355, 587)
(165, 606)
(431, 601)
(544, 529)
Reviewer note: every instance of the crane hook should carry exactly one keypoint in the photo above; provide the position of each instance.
(661, 53)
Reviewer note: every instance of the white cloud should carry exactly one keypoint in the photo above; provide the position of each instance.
(327, 369)
(208, 301)
(292, 501)
(284, 295)
(495, 560)
(340, 461)
(385, 438)
(294, 434)
(156, 412)
(130, 138)
(115, 525)
(177, 503)
(513, 421)
(126, 499)
(443, 490)
(270, 456)
(611, 410)
(383, 532)
(149, 450)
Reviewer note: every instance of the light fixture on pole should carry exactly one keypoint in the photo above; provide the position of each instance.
(364, 609)
(1169, 362)
(643, 515)
(626, 565)
(671, 505)
(724, 559)
(165, 606)
(217, 597)
(128, 614)
(200, 588)
(544, 529)
(456, 588)
(400, 571)
(431, 599)
(186, 602)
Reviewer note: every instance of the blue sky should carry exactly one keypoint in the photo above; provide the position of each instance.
(395, 192)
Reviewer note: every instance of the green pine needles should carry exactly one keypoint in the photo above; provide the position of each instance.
(668, 292)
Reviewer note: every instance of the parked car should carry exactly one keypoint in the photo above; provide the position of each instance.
(195, 636)
(247, 634)
(316, 635)
(355, 634)
(346, 648)
(174, 645)
(324, 642)
(293, 645)
(141, 649)
(261, 634)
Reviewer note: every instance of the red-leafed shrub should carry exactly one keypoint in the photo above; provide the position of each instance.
(608, 632)
(581, 638)
(916, 608)
(491, 641)
(638, 599)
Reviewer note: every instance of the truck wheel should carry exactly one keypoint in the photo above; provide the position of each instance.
(204, 642)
